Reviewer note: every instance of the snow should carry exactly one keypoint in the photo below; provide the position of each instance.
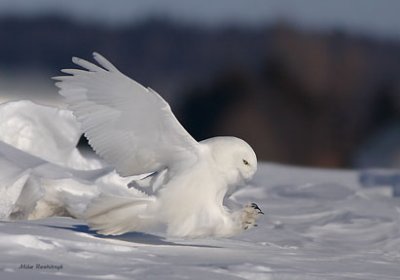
(318, 224)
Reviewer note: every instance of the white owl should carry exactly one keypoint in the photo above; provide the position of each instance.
(135, 131)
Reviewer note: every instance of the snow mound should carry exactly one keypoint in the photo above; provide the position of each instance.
(26, 241)
(42, 173)
(45, 132)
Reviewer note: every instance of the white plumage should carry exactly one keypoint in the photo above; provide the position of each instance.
(135, 131)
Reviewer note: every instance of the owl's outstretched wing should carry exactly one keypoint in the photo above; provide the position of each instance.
(130, 126)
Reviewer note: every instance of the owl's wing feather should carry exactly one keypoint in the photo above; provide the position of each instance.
(130, 126)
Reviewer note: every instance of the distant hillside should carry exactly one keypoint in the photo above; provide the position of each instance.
(155, 52)
(298, 97)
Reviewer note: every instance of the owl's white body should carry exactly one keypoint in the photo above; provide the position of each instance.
(134, 130)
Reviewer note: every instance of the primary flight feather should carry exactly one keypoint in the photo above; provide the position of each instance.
(134, 130)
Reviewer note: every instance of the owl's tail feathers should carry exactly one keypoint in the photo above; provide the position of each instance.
(115, 215)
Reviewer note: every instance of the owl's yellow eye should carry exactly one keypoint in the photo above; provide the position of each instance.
(245, 162)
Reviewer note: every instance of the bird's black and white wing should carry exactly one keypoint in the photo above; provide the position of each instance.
(129, 125)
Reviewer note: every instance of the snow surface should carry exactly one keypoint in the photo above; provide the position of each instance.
(319, 224)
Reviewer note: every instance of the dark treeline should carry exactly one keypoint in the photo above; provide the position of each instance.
(155, 51)
(298, 97)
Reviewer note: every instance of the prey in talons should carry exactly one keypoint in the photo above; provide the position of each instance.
(250, 214)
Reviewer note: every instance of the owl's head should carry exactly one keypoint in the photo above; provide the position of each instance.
(233, 156)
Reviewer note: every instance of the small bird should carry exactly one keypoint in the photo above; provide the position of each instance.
(133, 129)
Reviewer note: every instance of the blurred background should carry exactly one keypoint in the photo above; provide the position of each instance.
(305, 82)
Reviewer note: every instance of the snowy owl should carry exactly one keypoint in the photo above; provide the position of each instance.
(133, 128)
